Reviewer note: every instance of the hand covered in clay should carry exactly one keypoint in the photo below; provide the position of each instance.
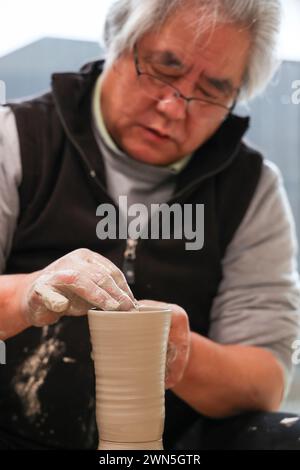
(72, 285)
(178, 343)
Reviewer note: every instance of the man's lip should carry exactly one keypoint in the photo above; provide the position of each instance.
(158, 132)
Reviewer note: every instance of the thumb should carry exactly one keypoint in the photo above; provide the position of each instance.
(52, 299)
(152, 303)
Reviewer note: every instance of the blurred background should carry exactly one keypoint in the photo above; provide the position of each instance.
(38, 38)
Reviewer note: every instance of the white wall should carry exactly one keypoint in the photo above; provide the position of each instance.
(23, 22)
(290, 36)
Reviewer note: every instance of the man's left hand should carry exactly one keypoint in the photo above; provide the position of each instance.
(178, 343)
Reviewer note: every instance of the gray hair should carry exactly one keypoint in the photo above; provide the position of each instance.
(128, 20)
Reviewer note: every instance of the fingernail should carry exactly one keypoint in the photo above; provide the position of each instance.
(111, 305)
(126, 303)
(171, 353)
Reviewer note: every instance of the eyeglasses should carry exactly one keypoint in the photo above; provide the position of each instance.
(156, 87)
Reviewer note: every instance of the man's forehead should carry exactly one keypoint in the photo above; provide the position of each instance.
(185, 52)
(220, 50)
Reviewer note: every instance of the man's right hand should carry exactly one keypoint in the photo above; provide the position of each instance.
(72, 285)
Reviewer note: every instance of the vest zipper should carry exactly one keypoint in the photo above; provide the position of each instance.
(183, 191)
(130, 250)
(129, 260)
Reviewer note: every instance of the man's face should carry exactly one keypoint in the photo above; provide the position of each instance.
(162, 132)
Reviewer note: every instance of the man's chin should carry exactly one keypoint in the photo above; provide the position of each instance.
(146, 155)
(158, 160)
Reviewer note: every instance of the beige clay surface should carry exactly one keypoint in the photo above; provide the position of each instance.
(129, 352)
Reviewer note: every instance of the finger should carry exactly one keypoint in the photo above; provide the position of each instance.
(102, 278)
(152, 303)
(53, 300)
(84, 255)
(85, 288)
(109, 285)
(176, 364)
(178, 346)
(114, 272)
(171, 353)
(41, 316)
(172, 371)
(78, 306)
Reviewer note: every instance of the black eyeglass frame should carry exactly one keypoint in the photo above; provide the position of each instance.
(178, 93)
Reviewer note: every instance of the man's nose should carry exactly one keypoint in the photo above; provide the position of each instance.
(172, 107)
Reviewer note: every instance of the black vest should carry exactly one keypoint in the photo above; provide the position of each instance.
(59, 195)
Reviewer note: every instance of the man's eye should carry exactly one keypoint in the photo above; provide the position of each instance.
(206, 94)
(165, 71)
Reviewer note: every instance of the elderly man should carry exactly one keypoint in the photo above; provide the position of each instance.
(153, 122)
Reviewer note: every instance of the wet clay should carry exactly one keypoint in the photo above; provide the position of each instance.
(129, 352)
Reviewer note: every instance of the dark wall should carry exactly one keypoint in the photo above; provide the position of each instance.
(27, 71)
